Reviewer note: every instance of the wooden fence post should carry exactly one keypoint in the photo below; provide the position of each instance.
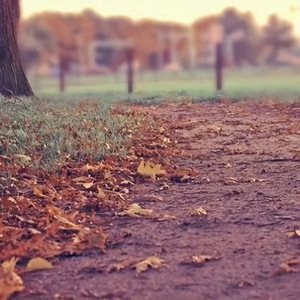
(130, 70)
(219, 67)
(62, 72)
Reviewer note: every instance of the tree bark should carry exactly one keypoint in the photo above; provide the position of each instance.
(13, 81)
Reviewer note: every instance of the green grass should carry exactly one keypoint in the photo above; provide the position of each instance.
(54, 132)
(247, 82)
(78, 123)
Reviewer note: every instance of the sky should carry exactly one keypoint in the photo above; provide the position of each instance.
(184, 11)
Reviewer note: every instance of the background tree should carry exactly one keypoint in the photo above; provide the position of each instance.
(277, 34)
(13, 81)
(246, 47)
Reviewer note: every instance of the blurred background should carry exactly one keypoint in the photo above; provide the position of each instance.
(83, 47)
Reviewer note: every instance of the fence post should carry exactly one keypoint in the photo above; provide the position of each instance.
(130, 71)
(219, 67)
(62, 72)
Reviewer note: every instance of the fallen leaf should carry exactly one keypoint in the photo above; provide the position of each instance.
(295, 233)
(256, 180)
(10, 282)
(38, 192)
(38, 263)
(199, 211)
(118, 266)
(186, 178)
(164, 186)
(152, 261)
(293, 261)
(8, 202)
(230, 180)
(88, 185)
(82, 179)
(100, 194)
(150, 169)
(285, 267)
(167, 218)
(22, 158)
(201, 259)
(134, 210)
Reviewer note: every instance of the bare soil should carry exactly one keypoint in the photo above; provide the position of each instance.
(247, 155)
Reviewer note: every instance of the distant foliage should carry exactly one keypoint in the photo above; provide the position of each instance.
(47, 37)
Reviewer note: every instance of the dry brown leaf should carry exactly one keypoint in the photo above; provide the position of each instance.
(228, 165)
(164, 186)
(230, 180)
(295, 233)
(256, 180)
(293, 261)
(118, 266)
(214, 129)
(296, 151)
(150, 169)
(285, 267)
(38, 192)
(126, 182)
(107, 175)
(22, 158)
(186, 178)
(290, 234)
(152, 261)
(201, 259)
(167, 218)
(199, 211)
(83, 179)
(134, 210)
(38, 263)
(10, 282)
(88, 185)
(8, 202)
(100, 194)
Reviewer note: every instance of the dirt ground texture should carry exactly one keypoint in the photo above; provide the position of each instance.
(247, 155)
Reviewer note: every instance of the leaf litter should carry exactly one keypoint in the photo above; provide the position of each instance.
(47, 214)
(63, 219)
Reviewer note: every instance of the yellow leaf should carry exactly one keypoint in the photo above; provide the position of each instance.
(134, 210)
(152, 261)
(107, 175)
(201, 259)
(295, 233)
(38, 264)
(285, 267)
(161, 130)
(87, 185)
(150, 169)
(10, 282)
(22, 158)
(38, 192)
(118, 266)
(167, 218)
(83, 179)
(199, 211)
(100, 193)
(291, 234)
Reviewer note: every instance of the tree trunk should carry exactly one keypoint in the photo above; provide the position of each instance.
(13, 81)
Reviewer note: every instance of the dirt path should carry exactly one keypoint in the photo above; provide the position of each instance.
(249, 186)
